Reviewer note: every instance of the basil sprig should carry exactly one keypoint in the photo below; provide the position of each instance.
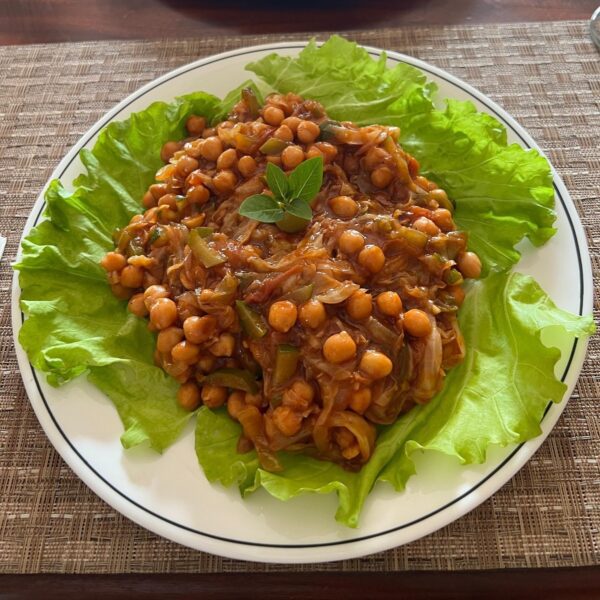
(291, 194)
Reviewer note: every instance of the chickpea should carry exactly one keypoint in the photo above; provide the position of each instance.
(351, 241)
(224, 181)
(273, 115)
(426, 226)
(389, 304)
(188, 396)
(360, 400)
(343, 206)
(339, 348)
(328, 150)
(283, 315)
(224, 346)
(167, 215)
(417, 323)
(183, 376)
(442, 217)
(287, 420)
(372, 258)
(458, 293)
(276, 160)
(292, 123)
(136, 305)
(185, 352)
(199, 329)
(206, 363)
(299, 396)
(136, 219)
(360, 305)
(209, 132)
(121, 291)
(312, 314)
(307, 132)
(382, 177)
(304, 390)
(198, 195)
(163, 313)
(213, 396)
(468, 264)
(375, 364)
(185, 165)
(284, 133)
(314, 152)
(148, 200)
(212, 148)
(195, 125)
(113, 261)
(375, 156)
(292, 156)
(168, 338)
(169, 200)
(132, 277)
(168, 150)
(193, 148)
(227, 159)
(158, 190)
(153, 293)
(246, 166)
(235, 404)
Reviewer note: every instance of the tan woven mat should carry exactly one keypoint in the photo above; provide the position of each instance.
(547, 75)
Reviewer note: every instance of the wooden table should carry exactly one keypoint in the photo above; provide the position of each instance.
(32, 21)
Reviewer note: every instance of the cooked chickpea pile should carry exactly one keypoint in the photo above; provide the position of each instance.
(308, 339)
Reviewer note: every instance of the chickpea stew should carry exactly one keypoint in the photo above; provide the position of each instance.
(310, 332)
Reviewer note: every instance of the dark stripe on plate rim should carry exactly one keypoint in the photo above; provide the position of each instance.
(373, 535)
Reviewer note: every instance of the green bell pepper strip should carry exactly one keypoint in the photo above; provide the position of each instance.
(286, 363)
(453, 277)
(273, 146)
(238, 379)
(204, 231)
(301, 295)
(252, 322)
(203, 252)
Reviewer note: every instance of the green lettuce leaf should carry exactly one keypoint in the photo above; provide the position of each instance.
(502, 192)
(74, 323)
(348, 82)
(496, 396)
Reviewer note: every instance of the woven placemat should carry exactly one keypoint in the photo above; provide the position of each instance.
(547, 75)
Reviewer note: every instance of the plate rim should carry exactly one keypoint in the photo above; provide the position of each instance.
(297, 553)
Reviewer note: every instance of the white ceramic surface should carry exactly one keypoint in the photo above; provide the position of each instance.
(169, 495)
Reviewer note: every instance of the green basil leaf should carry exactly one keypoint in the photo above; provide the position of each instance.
(261, 208)
(277, 180)
(299, 208)
(306, 179)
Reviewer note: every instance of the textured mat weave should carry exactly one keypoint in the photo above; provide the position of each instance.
(547, 75)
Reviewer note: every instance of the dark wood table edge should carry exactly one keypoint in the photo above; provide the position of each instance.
(509, 584)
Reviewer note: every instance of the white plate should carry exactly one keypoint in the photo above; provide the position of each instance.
(169, 495)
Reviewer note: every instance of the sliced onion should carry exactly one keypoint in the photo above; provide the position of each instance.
(363, 431)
